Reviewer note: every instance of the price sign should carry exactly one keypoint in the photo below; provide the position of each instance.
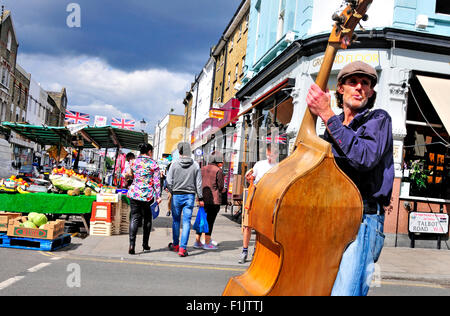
(431, 223)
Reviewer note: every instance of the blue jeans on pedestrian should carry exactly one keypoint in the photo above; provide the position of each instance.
(358, 262)
(182, 205)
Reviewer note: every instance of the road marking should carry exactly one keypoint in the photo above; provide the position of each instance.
(55, 258)
(11, 281)
(39, 267)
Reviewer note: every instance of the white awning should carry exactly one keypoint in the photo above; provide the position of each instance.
(438, 90)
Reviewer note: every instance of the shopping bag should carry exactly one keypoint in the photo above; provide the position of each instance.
(155, 210)
(201, 223)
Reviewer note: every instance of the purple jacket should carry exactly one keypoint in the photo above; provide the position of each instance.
(364, 151)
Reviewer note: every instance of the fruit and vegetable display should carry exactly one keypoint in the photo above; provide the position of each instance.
(67, 179)
(13, 185)
(62, 180)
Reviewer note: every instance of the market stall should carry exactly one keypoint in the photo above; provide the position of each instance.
(70, 193)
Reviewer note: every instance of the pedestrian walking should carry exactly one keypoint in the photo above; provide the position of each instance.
(143, 192)
(169, 195)
(127, 174)
(184, 181)
(362, 145)
(212, 189)
(253, 176)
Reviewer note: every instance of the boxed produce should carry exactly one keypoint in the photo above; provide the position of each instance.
(4, 219)
(94, 186)
(35, 225)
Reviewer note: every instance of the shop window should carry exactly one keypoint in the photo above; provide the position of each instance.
(426, 160)
(272, 122)
(443, 7)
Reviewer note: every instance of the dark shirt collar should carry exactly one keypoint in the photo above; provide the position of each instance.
(358, 117)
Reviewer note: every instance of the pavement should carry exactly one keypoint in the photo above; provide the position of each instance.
(395, 263)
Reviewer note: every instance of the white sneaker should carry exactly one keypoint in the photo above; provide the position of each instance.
(212, 242)
(243, 257)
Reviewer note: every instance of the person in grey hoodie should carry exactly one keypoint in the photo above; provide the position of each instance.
(184, 180)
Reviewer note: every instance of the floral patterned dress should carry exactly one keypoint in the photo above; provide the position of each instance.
(146, 185)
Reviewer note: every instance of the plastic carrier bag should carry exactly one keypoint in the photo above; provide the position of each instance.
(201, 223)
(155, 210)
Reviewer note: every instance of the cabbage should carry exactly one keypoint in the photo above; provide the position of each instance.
(29, 225)
(32, 215)
(42, 226)
(39, 220)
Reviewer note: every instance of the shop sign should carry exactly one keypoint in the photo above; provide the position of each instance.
(431, 223)
(216, 114)
(371, 57)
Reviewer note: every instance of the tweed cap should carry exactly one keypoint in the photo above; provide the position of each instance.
(358, 67)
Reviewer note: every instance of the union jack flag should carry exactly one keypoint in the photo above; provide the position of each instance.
(280, 139)
(76, 117)
(123, 123)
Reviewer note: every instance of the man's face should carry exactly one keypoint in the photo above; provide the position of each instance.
(356, 91)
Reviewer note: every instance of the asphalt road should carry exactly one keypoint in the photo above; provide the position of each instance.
(26, 273)
(53, 275)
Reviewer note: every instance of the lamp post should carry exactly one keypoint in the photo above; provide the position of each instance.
(143, 125)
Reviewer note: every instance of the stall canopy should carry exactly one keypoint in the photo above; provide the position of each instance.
(99, 137)
(112, 137)
(44, 135)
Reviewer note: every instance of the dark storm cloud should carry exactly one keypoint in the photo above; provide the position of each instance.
(129, 35)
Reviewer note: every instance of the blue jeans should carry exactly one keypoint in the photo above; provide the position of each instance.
(358, 262)
(182, 205)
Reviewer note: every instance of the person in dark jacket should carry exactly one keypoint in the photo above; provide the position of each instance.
(213, 188)
(184, 181)
(362, 145)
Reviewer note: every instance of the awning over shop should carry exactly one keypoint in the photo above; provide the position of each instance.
(437, 90)
(100, 137)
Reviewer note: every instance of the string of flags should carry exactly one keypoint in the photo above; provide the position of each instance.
(73, 117)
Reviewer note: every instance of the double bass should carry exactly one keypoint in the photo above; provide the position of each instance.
(305, 210)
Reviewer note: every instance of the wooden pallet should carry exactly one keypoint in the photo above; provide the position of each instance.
(35, 243)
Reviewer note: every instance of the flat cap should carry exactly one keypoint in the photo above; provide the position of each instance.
(358, 67)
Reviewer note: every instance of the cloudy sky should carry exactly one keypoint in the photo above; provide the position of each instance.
(133, 58)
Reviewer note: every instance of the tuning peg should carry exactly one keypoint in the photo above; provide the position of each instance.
(352, 3)
(365, 17)
(339, 19)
